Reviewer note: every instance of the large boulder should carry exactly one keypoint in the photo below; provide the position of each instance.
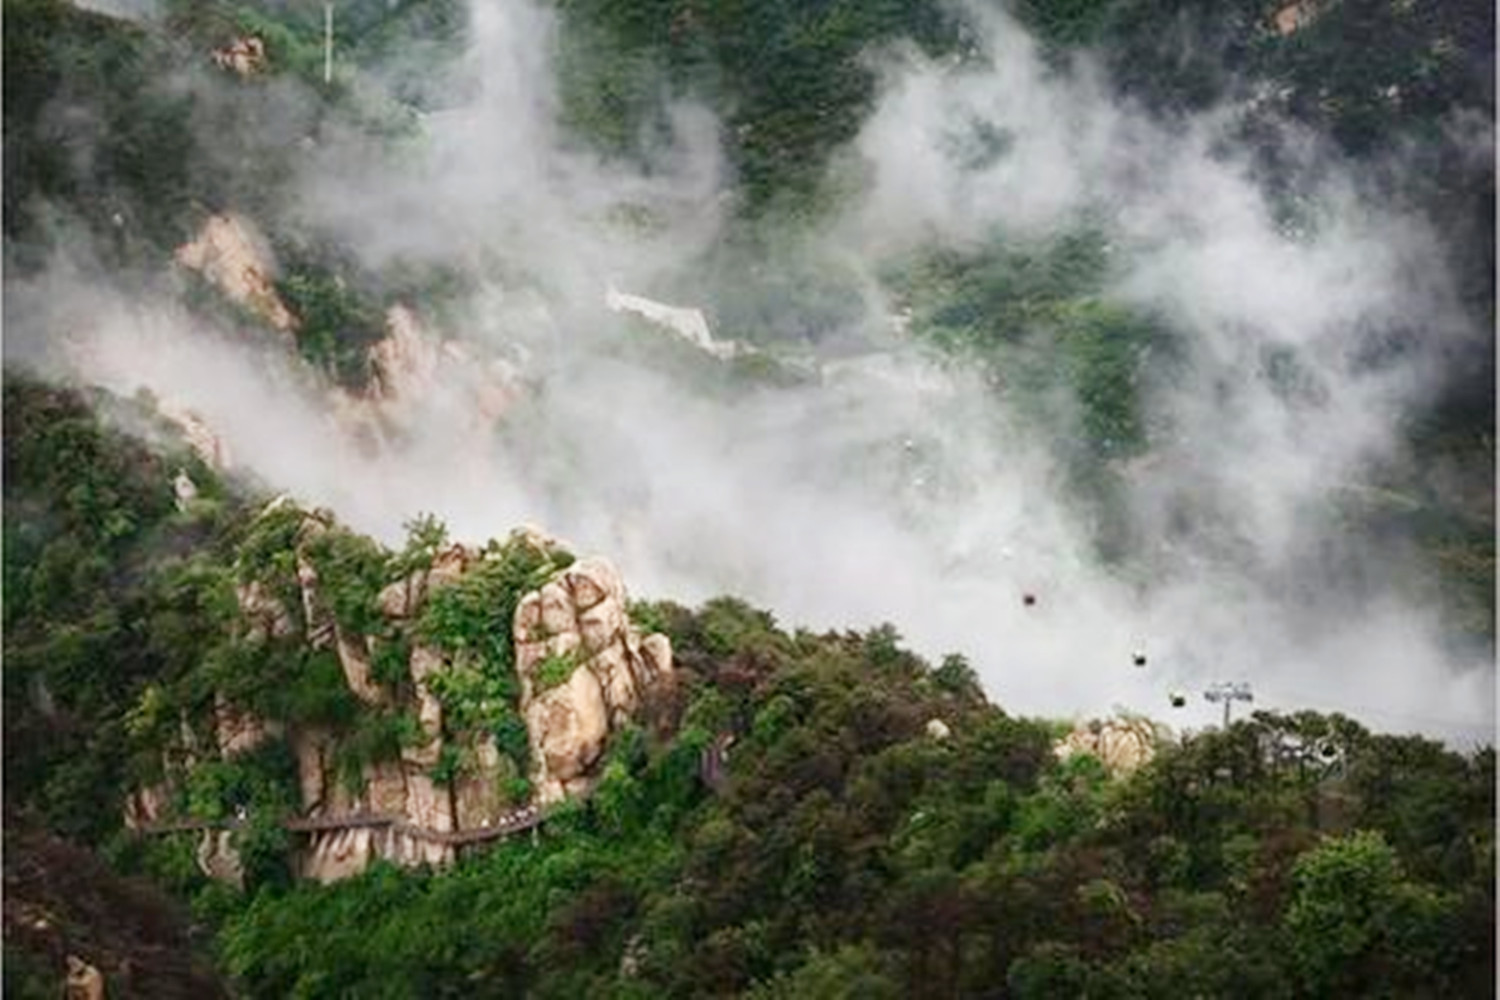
(584, 671)
(1121, 745)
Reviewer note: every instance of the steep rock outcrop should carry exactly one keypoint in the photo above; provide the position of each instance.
(406, 361)
(263, 615)
(411, 363)
(219, 859)
(584, 669)
(477, 801)
(1121, 745)
(232, 255)
(245, 56)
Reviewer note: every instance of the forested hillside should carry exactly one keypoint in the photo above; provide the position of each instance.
(851, 847)
(1016, 320)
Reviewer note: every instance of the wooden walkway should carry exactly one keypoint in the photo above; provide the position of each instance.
(711, 771)
(516, 821)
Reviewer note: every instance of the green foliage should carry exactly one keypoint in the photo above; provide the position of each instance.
(618, 59)
(472, 699)
(351, 571)
(1357, 925)
(426, 535)
(1031, 316)
(449, 767)
(554, 671)
(956, 677)
(268, 551)
(650, 616)
(841, 825)
(852, 973)
(838, 825)
(258, 781)
(375, 737)
(340, 322)
(474, 614)
(130, 151)
(264, 847)
(97, 606)
(390, 661)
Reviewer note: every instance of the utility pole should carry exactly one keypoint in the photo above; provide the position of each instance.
(1228, 693)
(327, 42)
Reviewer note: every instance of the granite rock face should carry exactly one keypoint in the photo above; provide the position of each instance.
(231, 254)
(1121, 745)
(584, 670)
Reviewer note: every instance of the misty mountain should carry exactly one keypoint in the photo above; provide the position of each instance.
(1034, 362)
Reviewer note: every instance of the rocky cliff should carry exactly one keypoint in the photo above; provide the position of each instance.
(232, 255)
(470, 727)
(584, 669)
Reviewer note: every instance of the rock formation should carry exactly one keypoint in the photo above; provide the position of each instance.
(412, 362)
(232, 255)
(239, 731)
(1293, 17)
(406, 361)
(245, 56)
(84, 982)
(583, 668)
(144, 806)
(218, 858)
(200, 437)
(1121, 745)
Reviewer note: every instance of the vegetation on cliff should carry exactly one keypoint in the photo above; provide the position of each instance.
(846, 844)
(784, 819)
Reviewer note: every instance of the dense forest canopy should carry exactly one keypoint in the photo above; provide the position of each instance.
(1179, 307)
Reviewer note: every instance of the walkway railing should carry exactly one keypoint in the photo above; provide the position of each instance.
(516, 821)
(710, 770)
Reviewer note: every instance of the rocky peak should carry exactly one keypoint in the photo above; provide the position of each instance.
(584, 668)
